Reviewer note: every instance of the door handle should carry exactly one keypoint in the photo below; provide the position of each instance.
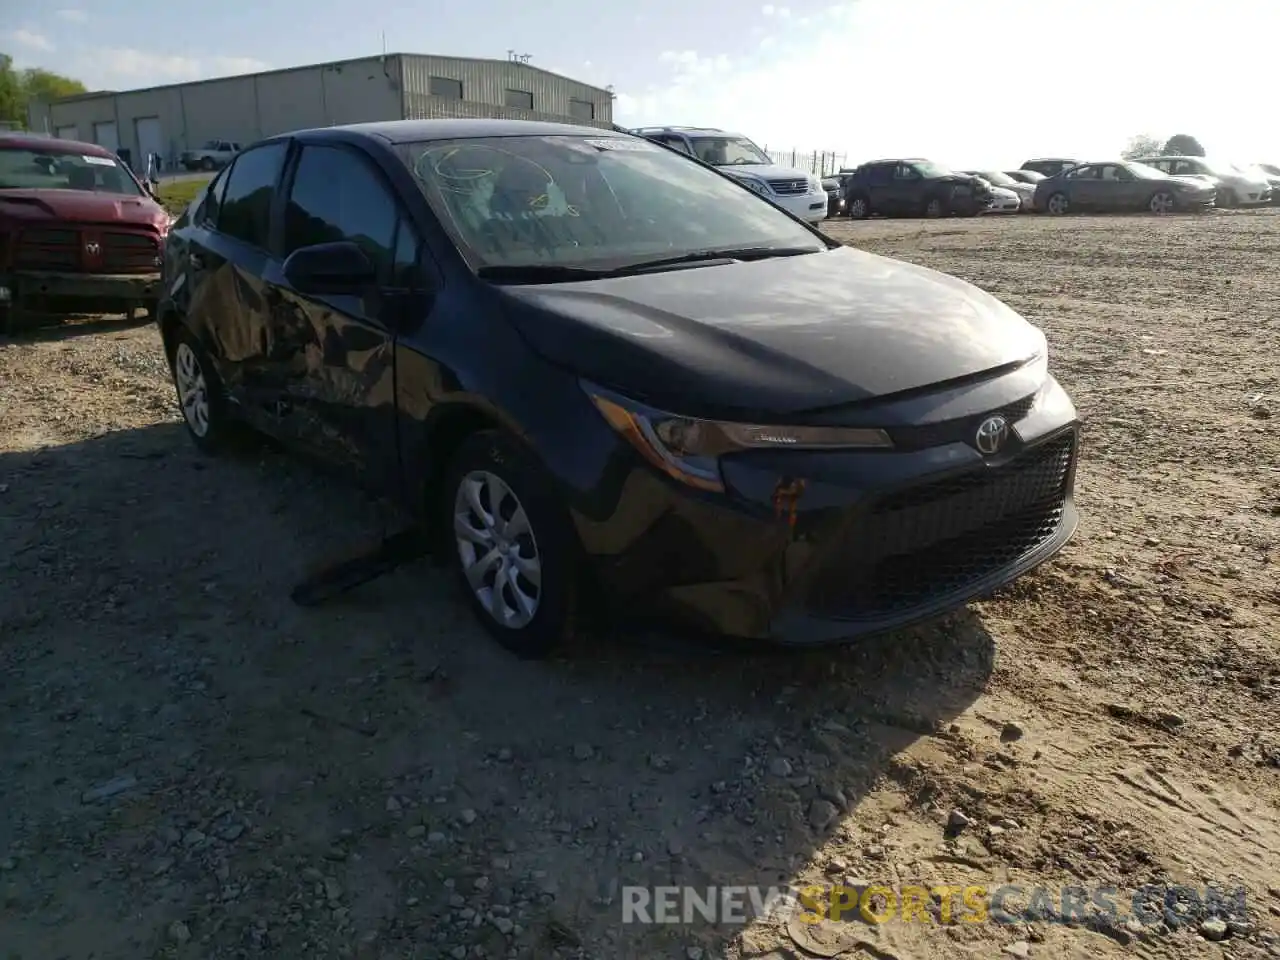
(196, 261)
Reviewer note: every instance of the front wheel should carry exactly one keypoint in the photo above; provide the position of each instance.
(1058, 204)
(858, 208)
(1226, 199)
(514, 553)
(207, 164)
(1162, 203)
(934, 208)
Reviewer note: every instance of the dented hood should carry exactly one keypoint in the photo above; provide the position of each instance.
(81, 206)
(773, 336)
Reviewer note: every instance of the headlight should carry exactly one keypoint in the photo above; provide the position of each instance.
(689, 450)
(815, 185)
(758, 186)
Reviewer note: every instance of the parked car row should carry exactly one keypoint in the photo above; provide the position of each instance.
(1052, 185)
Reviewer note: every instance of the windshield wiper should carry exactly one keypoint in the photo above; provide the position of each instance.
(539, 273)
(727, 255)
(556, 273)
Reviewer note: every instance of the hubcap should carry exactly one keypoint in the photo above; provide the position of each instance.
(858, 208)
(1057, 204)
(497, 549)
(193, 393)
(1161, 203)
(934, 208)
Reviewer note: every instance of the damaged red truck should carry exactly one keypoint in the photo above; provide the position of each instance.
(78, 232)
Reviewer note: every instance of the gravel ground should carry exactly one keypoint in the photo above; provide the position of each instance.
(194, 767)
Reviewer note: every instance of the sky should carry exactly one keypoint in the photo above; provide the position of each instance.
(972, 84)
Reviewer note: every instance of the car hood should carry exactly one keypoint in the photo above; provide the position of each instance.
(767, 170)
(772, 337)
(81, 206)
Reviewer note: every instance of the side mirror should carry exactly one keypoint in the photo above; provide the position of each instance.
(330, 268)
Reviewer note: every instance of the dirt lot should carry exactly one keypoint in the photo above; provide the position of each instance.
(193, 767)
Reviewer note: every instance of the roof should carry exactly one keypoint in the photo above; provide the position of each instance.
(351, 61)
(691, 131)
(409, 131)
(27, 141)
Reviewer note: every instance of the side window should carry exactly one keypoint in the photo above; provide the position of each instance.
(246, 202)
(880, 175)
(904, 171)
(336, 195)
(1083, 173)
(207, 214)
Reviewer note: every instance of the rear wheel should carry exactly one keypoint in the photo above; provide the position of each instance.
(1161, 203)
(207, 163)
(200, 394)
(1058, 204)
(513, 553)
(935, 207)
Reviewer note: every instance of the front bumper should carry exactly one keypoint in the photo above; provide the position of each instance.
(877, 541)
(1004, 205)
(807, 206)
(32, 290)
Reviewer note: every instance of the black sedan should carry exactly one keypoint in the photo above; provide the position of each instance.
(605, 375)
(1121, 186)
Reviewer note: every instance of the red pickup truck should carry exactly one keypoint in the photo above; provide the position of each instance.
(78, 232)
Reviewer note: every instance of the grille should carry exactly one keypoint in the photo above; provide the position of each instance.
(129, 253)
(789, 188)
(930, 540)
(961, 430)
(63, 249)
(47, 248)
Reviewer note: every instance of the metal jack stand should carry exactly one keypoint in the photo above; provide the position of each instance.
(362, 565)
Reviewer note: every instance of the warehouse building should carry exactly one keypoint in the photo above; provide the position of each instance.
(170, 119)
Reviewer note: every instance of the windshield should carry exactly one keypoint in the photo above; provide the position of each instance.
(996, 177)
(24, 168)
(1144, 172)
(573, 201)
(927, 168)
(727, 151)
(1271, 169)
(1031, 176)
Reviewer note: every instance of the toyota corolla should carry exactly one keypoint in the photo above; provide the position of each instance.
(603, 373)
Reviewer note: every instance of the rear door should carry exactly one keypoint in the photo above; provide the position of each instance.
(235, 252)
(878, 180)
(335, 366)
(1084, 189)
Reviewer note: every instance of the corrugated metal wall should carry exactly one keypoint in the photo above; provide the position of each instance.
(484, 86)
(250, 107)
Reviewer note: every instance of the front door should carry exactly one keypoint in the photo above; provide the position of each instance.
(334, 371)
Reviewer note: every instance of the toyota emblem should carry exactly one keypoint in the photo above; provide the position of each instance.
(92, 249)
(991, 435)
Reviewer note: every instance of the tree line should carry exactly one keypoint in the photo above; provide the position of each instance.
(19, 87)
(1179, 145)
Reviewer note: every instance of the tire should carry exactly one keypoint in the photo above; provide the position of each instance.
(200, 394)
(492, 476)
(934, 208)
(1058, 204)
(1161, 202)
(206, 163)
(1226, 199)
(858, 208)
